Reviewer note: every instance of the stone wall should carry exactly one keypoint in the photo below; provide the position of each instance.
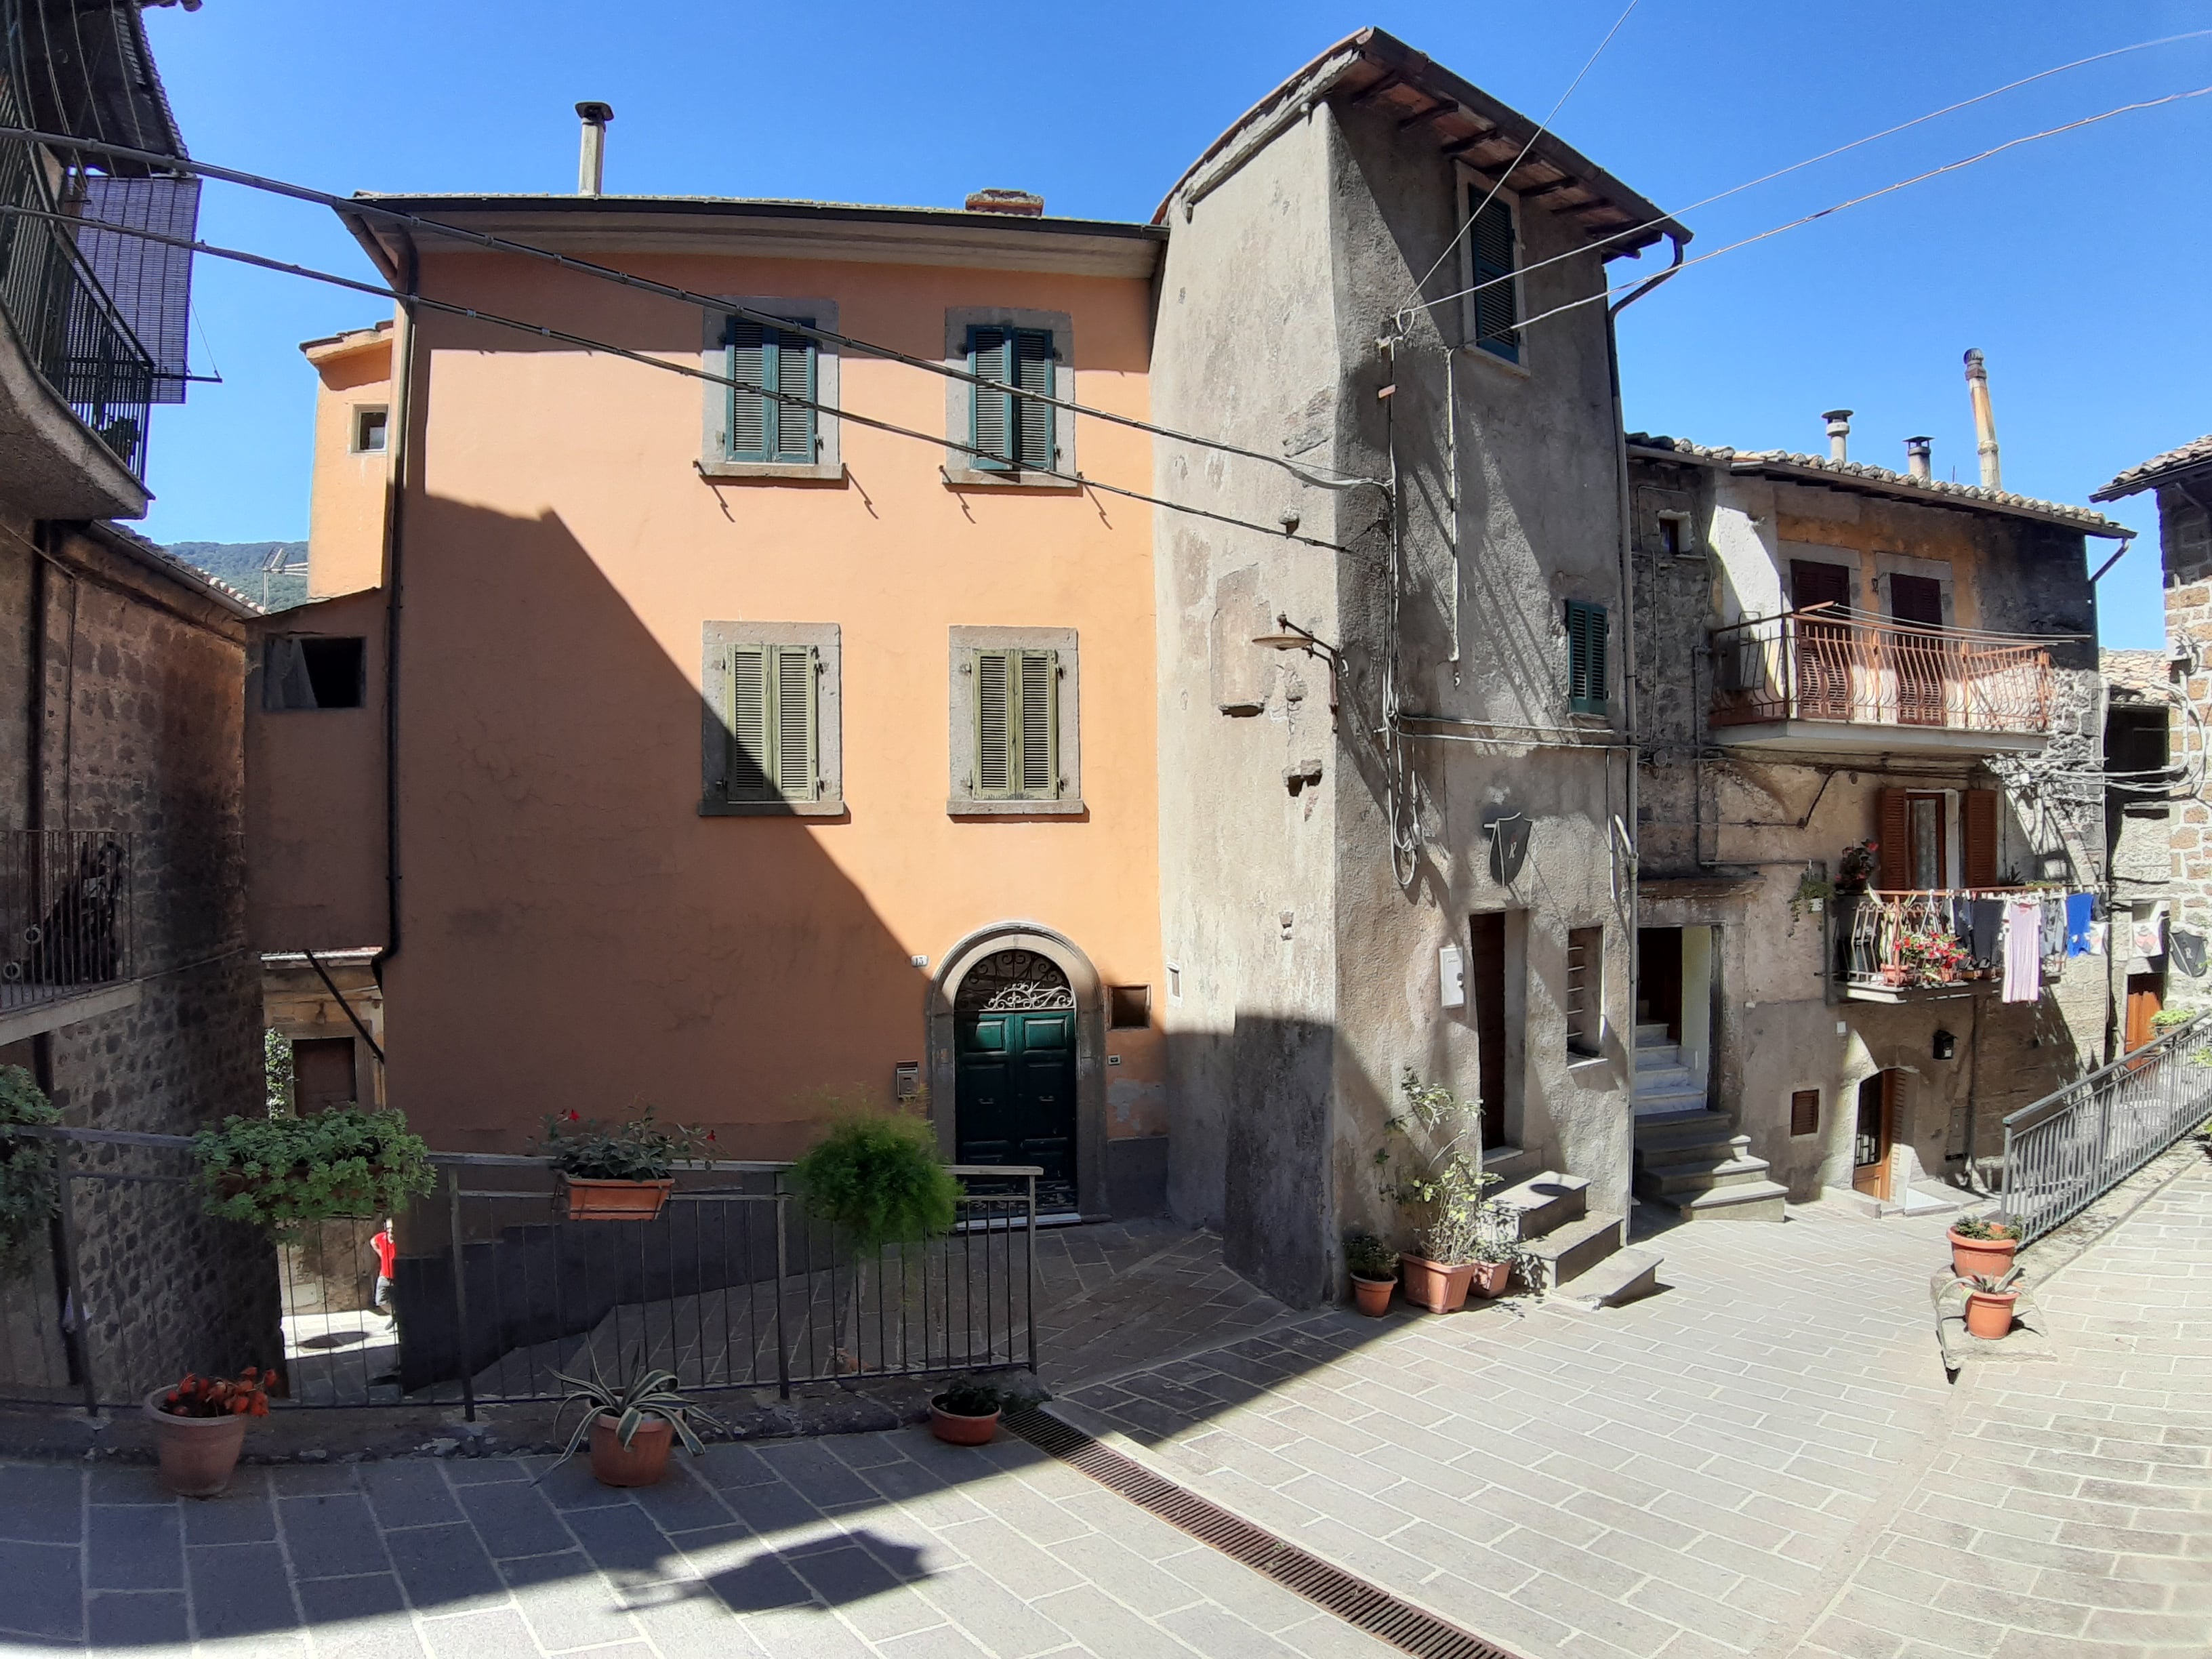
(2185, 536)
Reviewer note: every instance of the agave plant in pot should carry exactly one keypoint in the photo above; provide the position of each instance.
(1373, 1265)
(1989, 1303)
(619, 1171)
(1432, 1169)
(631, 1425)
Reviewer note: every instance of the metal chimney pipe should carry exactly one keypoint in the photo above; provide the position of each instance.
(592, 162)
(1915, 458)
(1840, 433)
(1985, 422)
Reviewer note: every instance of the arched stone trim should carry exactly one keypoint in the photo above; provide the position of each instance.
(1090, 1044)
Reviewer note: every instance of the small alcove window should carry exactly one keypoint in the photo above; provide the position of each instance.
(1132, 1006)
(370, 427)
(301, 671)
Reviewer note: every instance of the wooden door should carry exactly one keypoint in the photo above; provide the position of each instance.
(1922, 653)
(1870, 1140)
(2146, 997)
(1824, 646)
(1014, 1073)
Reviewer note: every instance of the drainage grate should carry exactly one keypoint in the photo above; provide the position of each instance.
(1355, 1600)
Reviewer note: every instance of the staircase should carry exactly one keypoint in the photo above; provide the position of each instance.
(1578, 1255)
(1688, 1155)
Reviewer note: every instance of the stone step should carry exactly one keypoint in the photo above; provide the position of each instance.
(1696, 1127)
(1662, 1079)
(1509, 1164)
(1651, 1057)
(1758, 1201)
(1567, 1252)
(1668, 1108)
(1705, 1151)
(1649, 1031)
(1546, 1202)
(1672, 1183)
(1621, 1277)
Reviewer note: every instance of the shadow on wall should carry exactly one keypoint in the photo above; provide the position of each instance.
(575, 936)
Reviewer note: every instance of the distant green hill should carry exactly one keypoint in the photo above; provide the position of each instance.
(240, 564)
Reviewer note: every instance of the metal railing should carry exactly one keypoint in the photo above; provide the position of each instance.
(1912, 940)
(2068, 1149)
(69, 326)
(1824, 664)
(65, 913)
(732, 1286)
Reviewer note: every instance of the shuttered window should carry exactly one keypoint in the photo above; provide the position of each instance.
(1805, 1112)
(1011, 434)
(1586, 664)
(762, 427)
(770, 697)
(1017, 702)
(1495, 300)
(1978, 827)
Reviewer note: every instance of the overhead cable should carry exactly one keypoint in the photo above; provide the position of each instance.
(589, 344)
(683, 295)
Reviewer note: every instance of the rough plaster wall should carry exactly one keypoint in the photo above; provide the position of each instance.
(1538, 524)
(16, 584)
(1244, 350)
(2185, 536)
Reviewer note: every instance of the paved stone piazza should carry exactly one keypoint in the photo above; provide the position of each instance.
(1765, 1459)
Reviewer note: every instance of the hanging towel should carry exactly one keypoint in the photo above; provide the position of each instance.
(2023, 953)
(1986, 926)
(2150, 933)
(2098, 933)
(2077, 924)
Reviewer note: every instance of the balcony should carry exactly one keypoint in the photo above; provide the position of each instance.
(1912, 947)
(1834, 679)
(66, 944)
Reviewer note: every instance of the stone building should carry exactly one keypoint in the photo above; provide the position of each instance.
(2180, 917)
(1394, 782)
(2144, 798)
(127, 986)
(1833, 655)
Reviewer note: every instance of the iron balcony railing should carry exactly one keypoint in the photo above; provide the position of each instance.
(2070, 1148)
(65, 913)
(1827, 664)
(1898, 941)
(732, 1286)
(65, 321)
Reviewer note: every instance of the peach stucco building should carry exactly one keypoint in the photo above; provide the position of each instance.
(679, 746)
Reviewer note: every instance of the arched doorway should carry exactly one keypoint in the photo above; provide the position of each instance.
(1014, 1069)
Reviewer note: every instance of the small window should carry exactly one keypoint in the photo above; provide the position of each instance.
(1586, 658)
(322, 1073)
(1805, 1112)
(369, 427)
(302, 671)
(762, 427)
(1585, 1000)
(1494, 273)
(1014, 727)
(1670, 537)
(1010, 433)
(1132, 1006)
(1174, 984)
(771, 739)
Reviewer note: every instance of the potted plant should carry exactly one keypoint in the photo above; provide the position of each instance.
(631, 1425)
(618, 1172)
(283, 1171)
(1983, 1244)
(199, 1427)
(1989, 1303)
(1442, 1187)
(876, 1178)
(967, 1413)
(1374, 1268)
(29, 1191)
(1929, 956)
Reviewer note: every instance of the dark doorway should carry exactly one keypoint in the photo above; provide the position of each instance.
(1487, 986)
(1014, 1071)
(1923, 655)
(1872, 1137)
(1659, 983)
(1825, 640)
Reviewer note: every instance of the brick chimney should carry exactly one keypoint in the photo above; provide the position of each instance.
(1026, 204)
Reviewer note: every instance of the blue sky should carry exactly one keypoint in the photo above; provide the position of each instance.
(2077, 265)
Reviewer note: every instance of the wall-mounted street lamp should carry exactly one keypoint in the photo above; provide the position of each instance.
(1289, 636)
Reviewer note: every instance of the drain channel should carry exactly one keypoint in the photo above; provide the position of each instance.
(1405, 1627)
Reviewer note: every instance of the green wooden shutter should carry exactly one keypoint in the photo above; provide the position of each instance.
(990, 422)
(796, 672)
(995, 723)
(1033, 421)
(1586, 663)
(1038, 730)
(792, 364)
(750, 414)
(1497, 307)
(746, 703)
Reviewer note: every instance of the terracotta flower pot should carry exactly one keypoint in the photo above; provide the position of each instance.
(197, 1453)
(1893, 973)
(1988, 1313)
(1441, 1287)
(592, 1200)
(1981, 1258)
(1491, 1277)
(1373, 1295)
(641, 1463)
(954, 1429)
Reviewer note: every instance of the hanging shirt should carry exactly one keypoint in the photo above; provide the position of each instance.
(2023, 957)
(2077, 924)
(2098, 933)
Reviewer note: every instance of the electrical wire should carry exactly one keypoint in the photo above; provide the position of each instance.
(589, 344)
(683, 295)
(1810, 160)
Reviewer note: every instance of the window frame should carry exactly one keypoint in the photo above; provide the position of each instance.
(1601, 704)
(966, 472)
(963, 798)
(1473, 187)
(1591, 1005)
(717, 640)
(360, 414)
(715, 462)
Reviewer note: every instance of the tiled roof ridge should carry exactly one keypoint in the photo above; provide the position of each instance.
(1883, 475)
(2144, 474)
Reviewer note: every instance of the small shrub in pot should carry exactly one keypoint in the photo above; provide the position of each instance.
(1983, 1245)
(619, 1171)
(283, 1172)
(1374, 1268)
(966, 1413)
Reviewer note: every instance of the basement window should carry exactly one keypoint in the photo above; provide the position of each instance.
(301, 670)
(1585, 998)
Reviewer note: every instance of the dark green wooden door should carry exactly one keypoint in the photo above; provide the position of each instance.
(1015, 1073)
